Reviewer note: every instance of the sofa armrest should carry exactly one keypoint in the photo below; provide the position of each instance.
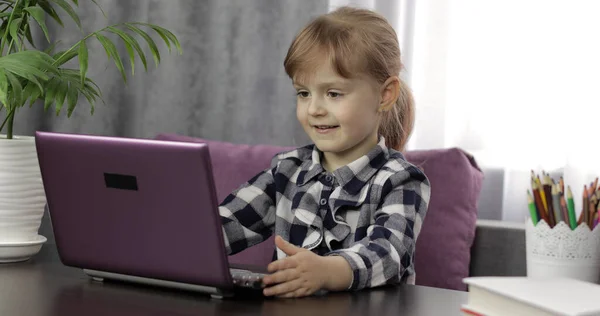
(498, 249)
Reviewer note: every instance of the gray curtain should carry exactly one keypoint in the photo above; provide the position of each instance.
(229, 84)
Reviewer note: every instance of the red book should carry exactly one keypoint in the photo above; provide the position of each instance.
(468, 311)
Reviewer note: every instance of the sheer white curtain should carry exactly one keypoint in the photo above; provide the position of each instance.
(514, 82)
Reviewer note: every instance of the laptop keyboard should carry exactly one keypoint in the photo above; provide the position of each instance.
(247, 279)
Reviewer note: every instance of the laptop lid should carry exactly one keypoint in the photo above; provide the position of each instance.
(137, 207)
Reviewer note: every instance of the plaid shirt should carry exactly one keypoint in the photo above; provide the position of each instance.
(370, 211)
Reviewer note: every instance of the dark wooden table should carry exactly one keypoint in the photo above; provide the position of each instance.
(44, 287)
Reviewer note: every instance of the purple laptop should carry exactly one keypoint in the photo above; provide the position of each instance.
(137, 210)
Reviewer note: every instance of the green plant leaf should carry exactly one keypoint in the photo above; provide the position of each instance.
(89, 96)
(61, 94)
(111, 51)
(61, 58)
(76, 2)
(166, 36)
(162, 34)
(149, 40)
(3, 33)
(28, 62)
(131, 57)
(50, 93)
(100, 7)
(130, 43)
(14, 31)
(69, 9)
(32, 93)
(83, 61)
(29, 55)
(24, 70)
(3, 88)
(94, 92)
(17, 91)
(29, 36)
(39, 16)
(72, 98)
(100, 38)
(90, 90)
(47, 7)
(129, 39)
(50, 48)
(31, 65)
(34, 81)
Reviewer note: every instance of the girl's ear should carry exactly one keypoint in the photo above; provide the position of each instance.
(390, 91)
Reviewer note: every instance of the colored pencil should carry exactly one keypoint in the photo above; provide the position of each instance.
(537, 180)
(596, 219)
(532, 210)
(593, 199)
(556, 205)
(592, 210)
(564, 211)
(561, 183)
(538, 202)
(542, 194)
(586, 205)
(593, 205)
(595, 185)
(547, 188)
(571, 208)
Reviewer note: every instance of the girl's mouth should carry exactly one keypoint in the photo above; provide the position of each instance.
(324, 129)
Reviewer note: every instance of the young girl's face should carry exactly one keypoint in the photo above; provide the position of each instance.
(338, 114)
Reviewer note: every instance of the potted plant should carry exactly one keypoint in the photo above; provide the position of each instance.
(29, 74)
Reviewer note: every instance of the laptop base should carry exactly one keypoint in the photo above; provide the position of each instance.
(215, 293)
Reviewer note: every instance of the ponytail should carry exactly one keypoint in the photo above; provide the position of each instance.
(397, 124)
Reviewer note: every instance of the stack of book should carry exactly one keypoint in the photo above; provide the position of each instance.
(516, 296)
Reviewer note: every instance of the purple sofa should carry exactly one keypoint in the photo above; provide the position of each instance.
(443, 252)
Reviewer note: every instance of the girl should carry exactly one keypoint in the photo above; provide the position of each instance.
(346, 210)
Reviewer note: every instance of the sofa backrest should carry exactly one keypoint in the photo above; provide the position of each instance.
(443, 246)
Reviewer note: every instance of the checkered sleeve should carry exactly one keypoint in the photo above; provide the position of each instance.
(248, 213)
(386, 254)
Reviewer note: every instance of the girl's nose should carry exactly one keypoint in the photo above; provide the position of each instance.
(316, 107)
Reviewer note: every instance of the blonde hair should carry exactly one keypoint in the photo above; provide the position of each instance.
(357, 41)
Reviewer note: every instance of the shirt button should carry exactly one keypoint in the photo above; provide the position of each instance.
(329, 178)
(323, 201)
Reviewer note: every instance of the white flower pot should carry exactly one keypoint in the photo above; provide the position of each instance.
(22, 197)
(562, 252)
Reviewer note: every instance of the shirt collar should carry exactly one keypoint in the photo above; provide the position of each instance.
(351, 177)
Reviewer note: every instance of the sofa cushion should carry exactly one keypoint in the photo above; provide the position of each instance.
(443, 247)
(443, 250)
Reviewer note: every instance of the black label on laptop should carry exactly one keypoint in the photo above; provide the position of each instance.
(120, 181)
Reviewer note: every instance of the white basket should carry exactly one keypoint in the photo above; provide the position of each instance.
(562, 252)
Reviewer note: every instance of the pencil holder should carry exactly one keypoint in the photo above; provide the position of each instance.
(562, 252)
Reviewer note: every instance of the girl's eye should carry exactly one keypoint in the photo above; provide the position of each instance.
(334, 95)
(303, 94)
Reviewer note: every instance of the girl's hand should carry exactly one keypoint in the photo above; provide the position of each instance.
(303, 272)
(299, 274)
